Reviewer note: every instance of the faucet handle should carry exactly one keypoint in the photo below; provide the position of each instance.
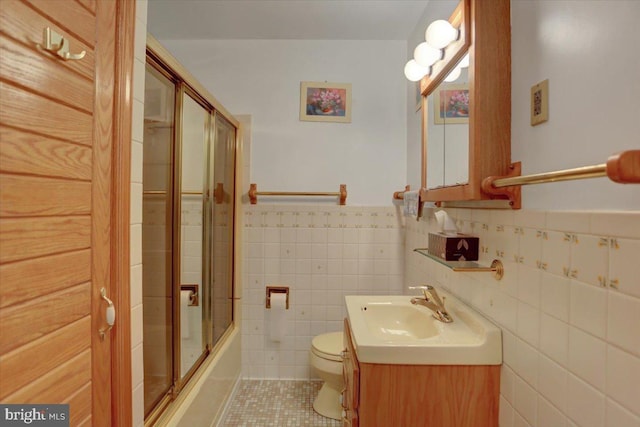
(430, 294)
(424, 290)
(433, 295)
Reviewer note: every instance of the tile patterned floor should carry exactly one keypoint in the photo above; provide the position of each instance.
(276, 403)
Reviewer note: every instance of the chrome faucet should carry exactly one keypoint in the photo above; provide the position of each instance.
(433, 302)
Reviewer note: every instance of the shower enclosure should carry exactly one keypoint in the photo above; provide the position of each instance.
(189, 156)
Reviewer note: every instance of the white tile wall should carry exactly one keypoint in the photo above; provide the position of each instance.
(588, 308)
(322, 253)
(585, 406)
(191, 273)
(552, 382)
(619, 416)
(568, 306)
(549, 415)
(623, 265)
(624, 312)
(554, 336)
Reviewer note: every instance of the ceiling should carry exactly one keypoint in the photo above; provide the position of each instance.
(284, 19)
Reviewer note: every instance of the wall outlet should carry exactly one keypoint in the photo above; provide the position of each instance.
(540, 103)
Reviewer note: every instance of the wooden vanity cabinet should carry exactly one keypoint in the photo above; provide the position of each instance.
(383, 395)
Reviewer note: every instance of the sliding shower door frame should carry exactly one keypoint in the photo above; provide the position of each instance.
(186, 85)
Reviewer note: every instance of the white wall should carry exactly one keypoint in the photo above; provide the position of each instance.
(262, 78)
(589, 52)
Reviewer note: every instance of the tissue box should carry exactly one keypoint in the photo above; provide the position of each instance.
(454, 246)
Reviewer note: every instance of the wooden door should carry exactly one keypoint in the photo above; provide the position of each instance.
(56, 198)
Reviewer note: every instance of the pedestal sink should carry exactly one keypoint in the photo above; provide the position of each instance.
(391, 330)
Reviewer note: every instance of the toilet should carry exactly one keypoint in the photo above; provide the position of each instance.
(326, 359)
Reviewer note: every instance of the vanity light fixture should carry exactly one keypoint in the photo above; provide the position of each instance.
(427, 55)
(415, 72)
(439, 35)
(453, 75)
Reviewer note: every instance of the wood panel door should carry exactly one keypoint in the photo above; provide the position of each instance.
(56, 198)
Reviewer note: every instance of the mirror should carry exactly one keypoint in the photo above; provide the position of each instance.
(447, 132)
(454, 166)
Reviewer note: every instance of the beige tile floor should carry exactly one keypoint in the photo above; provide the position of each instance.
(276, 403)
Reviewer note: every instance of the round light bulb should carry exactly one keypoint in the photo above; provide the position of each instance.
(440, 33)
(414, 72)
(465, 62)
(426, 55)
(453, 75)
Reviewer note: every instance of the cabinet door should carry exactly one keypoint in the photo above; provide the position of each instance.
(350, 419)
(351, 370)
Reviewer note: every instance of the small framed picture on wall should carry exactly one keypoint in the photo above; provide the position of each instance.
(325, 102)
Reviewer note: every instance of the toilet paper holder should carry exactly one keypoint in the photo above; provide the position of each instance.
(277, 290)
(194, 299)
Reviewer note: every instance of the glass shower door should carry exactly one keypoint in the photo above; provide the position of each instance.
(157, 253)
(187, 233)
(222, 172)
(194, 131)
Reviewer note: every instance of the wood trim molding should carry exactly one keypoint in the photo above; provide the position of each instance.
(121, 386)
(101, 245)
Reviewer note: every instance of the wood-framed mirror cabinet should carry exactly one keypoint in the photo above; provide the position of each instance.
(485, 35)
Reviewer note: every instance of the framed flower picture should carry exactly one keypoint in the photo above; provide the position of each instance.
(451, 104)
(325, 102)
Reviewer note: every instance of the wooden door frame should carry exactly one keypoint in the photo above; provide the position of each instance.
(121, 386)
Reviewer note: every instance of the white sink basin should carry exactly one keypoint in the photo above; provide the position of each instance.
(395, 322)
(389, 329)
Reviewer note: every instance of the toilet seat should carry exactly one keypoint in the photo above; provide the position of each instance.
(328, 346)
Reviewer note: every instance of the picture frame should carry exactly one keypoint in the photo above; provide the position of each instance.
(451, 104)
(325, 102)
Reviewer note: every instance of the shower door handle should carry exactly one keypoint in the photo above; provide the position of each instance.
(110, 313)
